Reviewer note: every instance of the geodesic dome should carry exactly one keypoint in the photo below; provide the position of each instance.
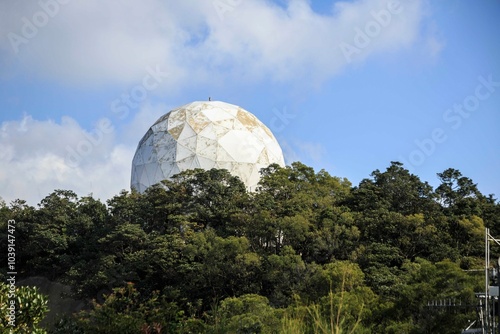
(205, 134)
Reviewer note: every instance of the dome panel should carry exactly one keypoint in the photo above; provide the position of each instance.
(206, 163)
(175, 132)
(226, 123)
(242, 146)
(183, 152)
(208, 151)
(185, 164)
(138, 158)
(177, 117)
(197, 121)
(148, 154)
(217, 114)
(223, 155)
(189, 143)
(161, 126)
(173, 169)
(187, 132)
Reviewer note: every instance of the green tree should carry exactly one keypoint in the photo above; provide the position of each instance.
(83, 232)
(427, 282)
(212, 196)
(219, 267)
(283, 276)
(396, 189)
(46, 240)
(289, 206)
(457, 193)
(124, 311)
(248, 313)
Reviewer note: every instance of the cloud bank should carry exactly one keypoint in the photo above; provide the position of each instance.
(91, 42)
(37, 157)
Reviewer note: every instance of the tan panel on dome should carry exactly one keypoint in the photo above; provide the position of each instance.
(251, 122)
(176, 118)
(198, 121)
(176, 132)
(199, 106)
(247, 119)
(227, 123)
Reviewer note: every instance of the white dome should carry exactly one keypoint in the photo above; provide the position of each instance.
(205, 134)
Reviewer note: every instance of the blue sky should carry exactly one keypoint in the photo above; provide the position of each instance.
(346, 86)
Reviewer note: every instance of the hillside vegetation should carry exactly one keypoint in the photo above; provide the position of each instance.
(307, 253)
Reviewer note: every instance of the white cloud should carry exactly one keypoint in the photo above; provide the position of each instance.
(34, 160)
(314, 151)
(94, 41)
(307, 152)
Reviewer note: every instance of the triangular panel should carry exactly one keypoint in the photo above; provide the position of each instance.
(206, 163)
(185, 164)
(176, 131)
(209, 132)
(183, 153)
(187, 132)
(176, 118)
(189, 143)
(217, 114)
(222, 155)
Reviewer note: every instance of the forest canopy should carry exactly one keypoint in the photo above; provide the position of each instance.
(306, 253)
